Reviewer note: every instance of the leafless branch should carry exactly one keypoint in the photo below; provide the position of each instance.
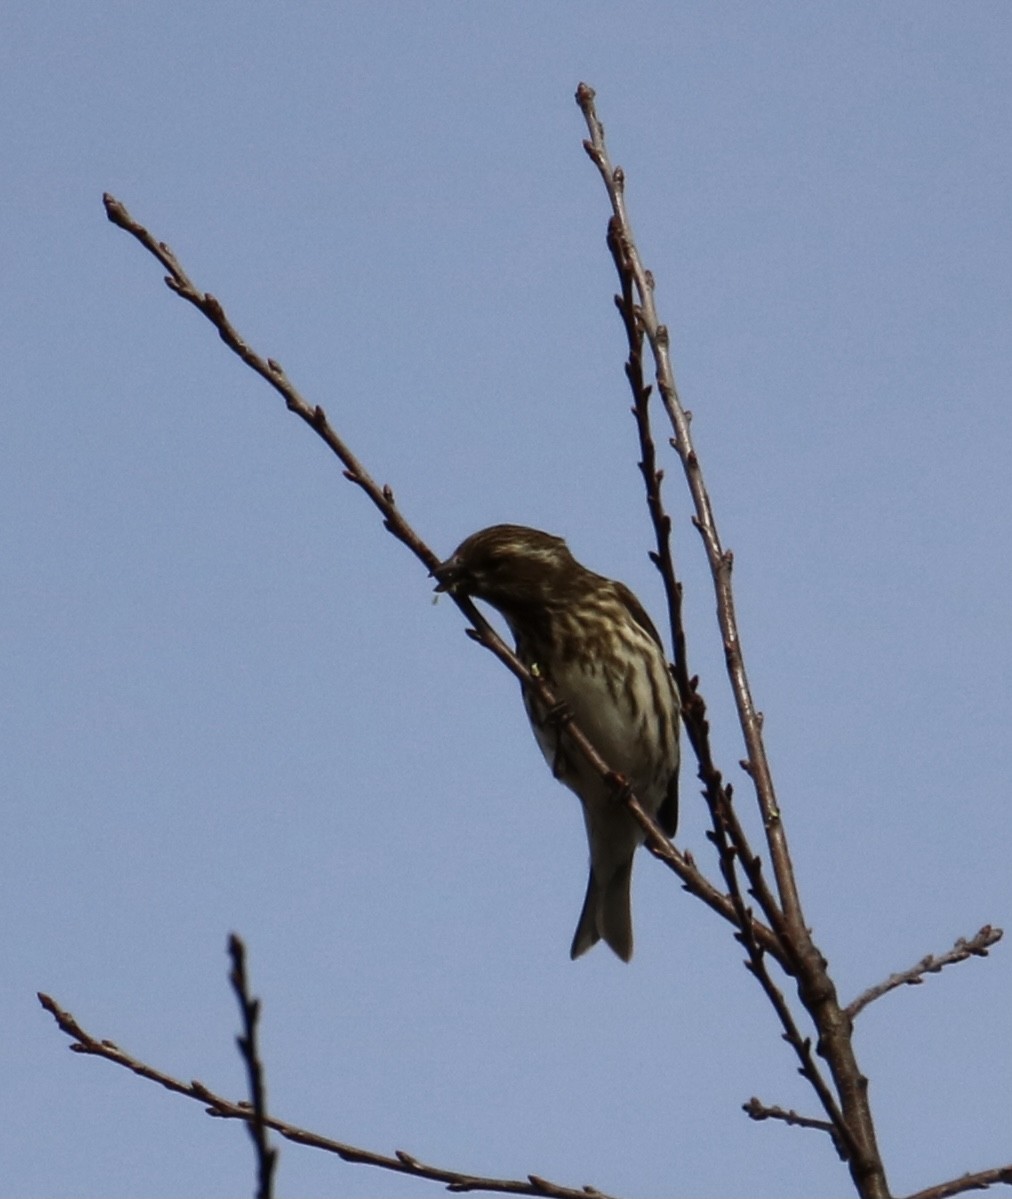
(249, 1009)
(382, 497)
(179, 282)
(653, 476)
(976, 946)
(727, 834)
(815, 987)
(720, 559)
(782, 934)
(978, 1181)
(216, 1105)
(759, 1111)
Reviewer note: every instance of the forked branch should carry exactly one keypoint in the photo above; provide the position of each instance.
(735, 854)
(815, 987)
(382, 497)
(258, 1121)
(229, 1109)
(719, 558)
(782, 933)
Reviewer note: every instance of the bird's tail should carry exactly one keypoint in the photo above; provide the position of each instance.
(606, 913)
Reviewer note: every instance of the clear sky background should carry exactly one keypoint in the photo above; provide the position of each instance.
(229, 702)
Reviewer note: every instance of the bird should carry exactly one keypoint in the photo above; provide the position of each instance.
(590, 640)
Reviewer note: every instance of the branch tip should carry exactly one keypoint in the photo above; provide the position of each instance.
(115, 211)
(964, 948)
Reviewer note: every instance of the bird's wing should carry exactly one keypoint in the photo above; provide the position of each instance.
(667, 813)
(637, 611)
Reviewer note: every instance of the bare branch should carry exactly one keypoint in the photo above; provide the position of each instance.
(216, 1105)
(728, 834)
(976, 946)
(979, 1181)
(759, 1111)
(720, 559)
(382, 496)
(652, 475)
(785, 937)
(267, 368)
(815, 987)
(249, 1008)
(843, 1136)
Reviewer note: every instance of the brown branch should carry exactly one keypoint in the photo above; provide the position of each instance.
(681, 864)
(728, 833)
(815, 987)
(216, 1105)
(267, 368)
(653, 476)
(976, 946)
(978, 1181)
(843, 1136)
(757, 1110)
(249, 1009)
(720, 559)
(383, 498)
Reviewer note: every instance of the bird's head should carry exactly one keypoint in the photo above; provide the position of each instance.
(509, 566)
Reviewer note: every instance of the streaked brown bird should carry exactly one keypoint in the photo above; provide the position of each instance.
(589, 638)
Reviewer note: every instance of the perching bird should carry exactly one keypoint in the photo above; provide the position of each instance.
(590, 640)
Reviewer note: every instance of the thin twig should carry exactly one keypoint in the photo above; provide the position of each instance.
(718, 795)
(179, 282)
(727, 834)
(720, 559)
(978, 1181)
(759, 1111)
(382, 497)
(843, 1135)
(816, 988)
(976, 946)
(249, 1008)
(653, 476)
(216, 1105)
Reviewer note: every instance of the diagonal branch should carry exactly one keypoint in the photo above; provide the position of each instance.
(216, 1105)
(976, 946)
(727, 834)
(756, 1110)
(720, 559)
(980, 1180)
(815, 987)
(177, 280)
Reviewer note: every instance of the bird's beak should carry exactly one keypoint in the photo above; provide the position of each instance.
(447, 575)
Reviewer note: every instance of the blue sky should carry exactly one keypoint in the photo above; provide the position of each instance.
(230, 701)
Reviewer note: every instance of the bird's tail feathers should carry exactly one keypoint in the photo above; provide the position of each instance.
(606, 913)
